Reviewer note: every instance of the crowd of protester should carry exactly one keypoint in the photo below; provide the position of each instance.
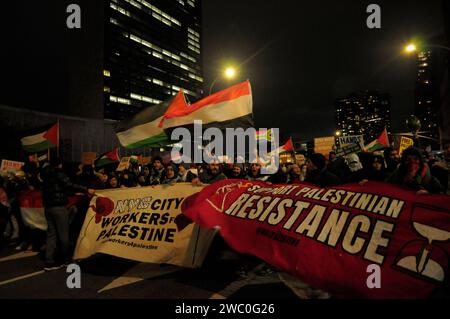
(415, 170)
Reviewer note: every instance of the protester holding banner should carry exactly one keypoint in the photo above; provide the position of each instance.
(171, 176)
(391, 158)
(211, 174)
(187, 175)
(144, 177)
(56, 185)
(414, 173)
(254, 173)
(377, 169)
(318, 173)
(113, 181)
(338, 167)
(295, 175)
(158, 172)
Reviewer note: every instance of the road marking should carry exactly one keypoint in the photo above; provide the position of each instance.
(141, 271)
(21, 277)
(22, 254)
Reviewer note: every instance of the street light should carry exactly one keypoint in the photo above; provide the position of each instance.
(412, 47)
(229, 74)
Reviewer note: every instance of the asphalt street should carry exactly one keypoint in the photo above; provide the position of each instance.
(103, 276)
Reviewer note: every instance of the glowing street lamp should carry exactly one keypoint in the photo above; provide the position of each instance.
(229, 73)
(410, 48)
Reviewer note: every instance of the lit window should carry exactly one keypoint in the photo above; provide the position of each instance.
(106, 89)
(106, 73)
(123, 101)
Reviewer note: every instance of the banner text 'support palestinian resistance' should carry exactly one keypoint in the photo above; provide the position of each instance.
(328, 237)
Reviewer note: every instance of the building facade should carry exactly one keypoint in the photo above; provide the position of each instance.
(364, 114)
(127, 54)
(152, 50)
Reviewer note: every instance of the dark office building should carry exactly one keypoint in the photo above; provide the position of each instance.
(152, 49)
(128, 54)
(363, 114)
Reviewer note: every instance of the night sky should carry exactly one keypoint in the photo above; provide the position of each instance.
(301, 55)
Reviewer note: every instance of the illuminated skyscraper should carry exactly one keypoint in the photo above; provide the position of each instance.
(152, 49)
(363, 114)
(427, 99)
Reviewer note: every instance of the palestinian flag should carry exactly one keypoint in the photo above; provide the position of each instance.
(142, 130)
(110, 157)
(287, 147)
(381, 142)
(264, 135)
(231, 108)
(32, 210)
(45, 139)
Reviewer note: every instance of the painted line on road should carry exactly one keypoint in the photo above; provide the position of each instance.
(22, 254)
(21, 277)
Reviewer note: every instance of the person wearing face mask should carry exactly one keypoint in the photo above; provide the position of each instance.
(414, 173)
(356, 173)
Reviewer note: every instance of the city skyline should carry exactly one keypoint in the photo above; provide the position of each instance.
(309, 54)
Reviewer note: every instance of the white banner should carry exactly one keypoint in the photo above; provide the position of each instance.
(139, 224)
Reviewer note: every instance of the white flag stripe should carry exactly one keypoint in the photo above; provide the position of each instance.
(140, 132)
(33, 139)
(218, 112)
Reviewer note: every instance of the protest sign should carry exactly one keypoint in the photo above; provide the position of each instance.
(124, 164)
(351, 139)
(10, 166)
(405, 142)
(324, 145)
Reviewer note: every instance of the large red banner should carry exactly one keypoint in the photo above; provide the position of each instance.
(354, 241)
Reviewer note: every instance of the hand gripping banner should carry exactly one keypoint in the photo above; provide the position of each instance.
(331, 237)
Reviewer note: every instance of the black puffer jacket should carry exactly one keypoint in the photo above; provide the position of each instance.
(55, 187)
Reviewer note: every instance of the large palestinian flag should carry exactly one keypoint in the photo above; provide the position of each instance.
(143, 130)
(231, 108)
(42, 140)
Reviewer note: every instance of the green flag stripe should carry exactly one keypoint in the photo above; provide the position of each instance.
(33, 148)
(154, 141)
